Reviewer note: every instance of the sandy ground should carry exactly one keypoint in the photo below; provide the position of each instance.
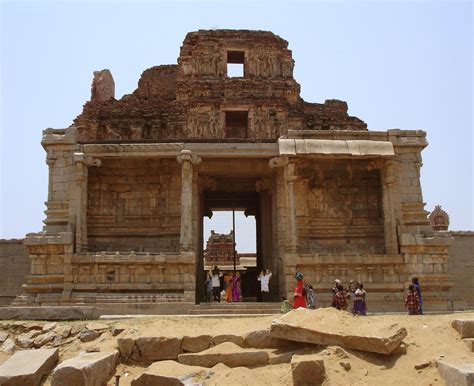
(430, 337)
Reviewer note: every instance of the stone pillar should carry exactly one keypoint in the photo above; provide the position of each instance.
(187, 160)
(82, 163)
(50, 161)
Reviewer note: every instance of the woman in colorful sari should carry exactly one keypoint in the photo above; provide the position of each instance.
(300, 293)
(228, 288)
(235, 287)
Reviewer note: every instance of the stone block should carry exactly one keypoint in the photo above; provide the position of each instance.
(307, 370)
(227, 353)
(457, 374)
(469, 343)
(149, 349)
(195, 343)
(262, 339)
(28, 367)
(465, 327)
(171, 373)
(236, 339)
(87, 369)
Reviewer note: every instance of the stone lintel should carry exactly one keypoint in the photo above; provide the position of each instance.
(133, 257)
(62, 238)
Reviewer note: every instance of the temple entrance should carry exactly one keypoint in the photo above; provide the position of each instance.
(225, 217)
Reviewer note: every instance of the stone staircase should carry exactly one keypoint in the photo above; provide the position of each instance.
(244, 308)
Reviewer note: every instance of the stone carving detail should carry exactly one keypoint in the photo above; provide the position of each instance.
(204, 122)
(439, 219)
(279, 161)
(103, 86)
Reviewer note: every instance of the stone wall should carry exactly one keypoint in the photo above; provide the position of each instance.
(461, 265)
(14, 267)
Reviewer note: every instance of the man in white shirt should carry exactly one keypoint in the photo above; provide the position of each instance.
(216, 283)
(264, 280)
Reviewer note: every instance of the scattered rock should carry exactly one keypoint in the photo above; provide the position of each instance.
(465, 327)
(49, 326)
(149, 349)
(116, 330)
(93, 349)
(366, 372)
(26, 339)
(64, 331)
(262, 339)
(423, 365)
(168, 372)
(99, 327)
(57, 341)
(28, 367)
(400, 350)
(32, 326)
(125, 346)
(307, 370)
(328, 326)
(227, 353)
(345, 365)
(236, 339)
(195, 343)
(87, 369)
(3, 336)
(8, 346)
(338, 351)
(383, 367)
(42, 339)
(76, 328)
(456, 374)
(87, 335)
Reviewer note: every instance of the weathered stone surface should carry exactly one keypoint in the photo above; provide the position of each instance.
(262, 339)
(76, 328)
(87, 369)
(469, 343)
(42, 339)
(307, 370)
(28, 367)
(329, 326)
(227, 353)
(63, 330)
(465, 327)
(279, 356)
(457, 374)
(50, 313)
(49, 326)
(171, 373)
(103, 86)
(99, 327)
(149, 349)
(116, 330)
(8, 346)
(3, 336)
(26, 339)
(236, 339)
(195, 343)
(87, 335)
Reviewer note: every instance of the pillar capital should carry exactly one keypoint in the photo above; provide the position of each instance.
(187, 155)
(279, 161)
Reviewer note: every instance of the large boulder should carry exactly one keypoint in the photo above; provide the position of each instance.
(28, 367)
(307, 370)
(42, 339)
(149, 349)
(465, 327)
(8, 346)
(457, 374)
(227, 353)
(87, 369)
(328, 326)
(171, 373)
(195, 343)
(26, 339)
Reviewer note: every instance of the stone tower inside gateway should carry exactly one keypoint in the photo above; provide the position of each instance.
(131, 180)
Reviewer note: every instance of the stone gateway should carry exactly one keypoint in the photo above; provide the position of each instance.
(131, 180)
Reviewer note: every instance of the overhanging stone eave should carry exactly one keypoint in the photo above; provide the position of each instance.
(335, 148)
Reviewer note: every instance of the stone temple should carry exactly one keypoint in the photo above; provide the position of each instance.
(131, 180)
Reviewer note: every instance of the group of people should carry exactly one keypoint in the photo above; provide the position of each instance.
(304, 296)
(229, 289)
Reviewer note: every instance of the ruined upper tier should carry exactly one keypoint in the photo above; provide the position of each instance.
(197, 100)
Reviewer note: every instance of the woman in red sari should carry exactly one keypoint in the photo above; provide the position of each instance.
(300, 295)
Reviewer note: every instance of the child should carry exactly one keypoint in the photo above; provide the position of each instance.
(415, 282)
(359, 306)
(300, 292)
(341, 298)
(264, 280)
(285, 306)
(412, 302)
(334, 291)
(310, 296)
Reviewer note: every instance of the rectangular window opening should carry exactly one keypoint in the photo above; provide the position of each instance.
(235, 64)
(236, 123)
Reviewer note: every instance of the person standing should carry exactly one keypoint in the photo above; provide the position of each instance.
(416, 283)
(300, 293)
(236, 287)
(341, 298)
(359, 306)
(264, 280)
(412, 302)
(208, 286)
(310, 296)
(216, 283)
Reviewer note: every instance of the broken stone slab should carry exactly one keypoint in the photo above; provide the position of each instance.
(42, 339)
(87, 335)
(99, 327)
(279, 356)
(195, 343)
(171, 373)
(63, 331)
(26, 339)
(469, 343)
(328, 326)
(49, 326)
(227, 353)
(87, 369)
(76, 328)
(456, 374)
(236, 339)
(28, 367)
(465, 327)
(149, 349)
(116, 330)
(307, 370)
(3, 336)
(8, 346)
(262, 339)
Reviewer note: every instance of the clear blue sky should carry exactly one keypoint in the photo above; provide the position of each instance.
(398, 65)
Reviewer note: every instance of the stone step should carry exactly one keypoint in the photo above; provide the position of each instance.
(457, 374)
(465, 327)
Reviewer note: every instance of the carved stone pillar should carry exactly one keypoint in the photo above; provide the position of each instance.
(82, 163)
(387, 182)
(50, 161)
(187, 160)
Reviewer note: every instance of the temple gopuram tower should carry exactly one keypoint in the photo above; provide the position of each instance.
(131, 180)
